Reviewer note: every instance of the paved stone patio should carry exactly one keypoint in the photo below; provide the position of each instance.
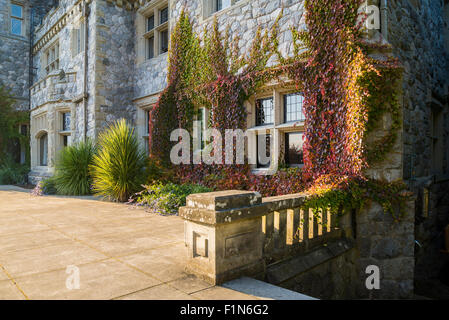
(121, 252)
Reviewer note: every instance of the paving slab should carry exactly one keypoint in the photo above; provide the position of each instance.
(8, 291)
(119, 252)
(190, 284)
(161, 292)
(99, 280)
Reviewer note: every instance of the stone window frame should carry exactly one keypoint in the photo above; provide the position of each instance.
(50, 66)
(278, 129)
(17, 18)
(158, 28)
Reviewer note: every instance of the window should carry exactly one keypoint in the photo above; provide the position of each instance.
(164, 41)
(264, 111)
(157, 36)
(293, 149)
(212, 6)
(66, 119)
(264, 151)
(202, 119)
(437, 141)
(65, 129)
(24, 129)
(222, 4)
(43, 150)
(150, 23)
(150, 46)
(78, 40)
(147, 121)
(16, 19)
(51, 57)
(146, 131)
(163, 14)
(293, 107)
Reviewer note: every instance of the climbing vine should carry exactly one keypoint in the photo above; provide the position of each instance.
(10, 120)
(347, 95)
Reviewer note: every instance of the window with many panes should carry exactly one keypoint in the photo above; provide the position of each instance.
(264, 111)
(293, 104)
(51, 57)
(157, 35)
(16, 19)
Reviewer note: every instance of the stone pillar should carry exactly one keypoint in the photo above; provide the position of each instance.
(223, 235)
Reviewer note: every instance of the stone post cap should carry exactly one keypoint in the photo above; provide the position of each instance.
(222, 206)
(223, 200)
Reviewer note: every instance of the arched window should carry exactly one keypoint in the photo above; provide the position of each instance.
(43, 150)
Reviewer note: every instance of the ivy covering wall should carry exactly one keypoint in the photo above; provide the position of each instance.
(10, 120)
(346, 94)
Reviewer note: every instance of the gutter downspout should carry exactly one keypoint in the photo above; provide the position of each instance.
(86, 12)
(30, 79)
(384, 18)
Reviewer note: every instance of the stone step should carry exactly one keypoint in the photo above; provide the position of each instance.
(264, 290)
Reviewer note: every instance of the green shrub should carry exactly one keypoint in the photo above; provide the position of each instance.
(166, 198)
(118, 167)
(49, 186)
(72, 169)
(13, 173)
(46, 186)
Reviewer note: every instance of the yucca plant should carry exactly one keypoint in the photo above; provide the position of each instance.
(118, 167)
(72, 169)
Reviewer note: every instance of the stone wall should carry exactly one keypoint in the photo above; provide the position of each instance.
(417, 31)
(114, 64)
(60, 90)
(378, 241)
(15, 50)
(243, 18)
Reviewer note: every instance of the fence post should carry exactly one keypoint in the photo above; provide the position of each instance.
(223, 234)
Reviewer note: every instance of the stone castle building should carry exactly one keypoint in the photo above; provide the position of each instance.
(78, 65)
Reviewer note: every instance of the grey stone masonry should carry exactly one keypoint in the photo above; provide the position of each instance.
(15, 49)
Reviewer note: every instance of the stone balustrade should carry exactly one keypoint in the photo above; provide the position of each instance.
(229, 234)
